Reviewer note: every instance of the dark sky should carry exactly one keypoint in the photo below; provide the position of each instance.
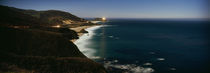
(119, 8)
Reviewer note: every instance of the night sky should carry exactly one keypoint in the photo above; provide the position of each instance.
(119, 8)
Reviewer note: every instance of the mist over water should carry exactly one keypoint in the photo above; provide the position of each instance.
(148, 46)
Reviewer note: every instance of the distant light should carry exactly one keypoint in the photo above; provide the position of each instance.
(57, 26)
(103, 18)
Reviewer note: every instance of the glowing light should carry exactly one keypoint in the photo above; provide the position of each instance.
(57, 26)
(103, 18)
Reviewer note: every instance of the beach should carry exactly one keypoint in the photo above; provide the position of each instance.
(84, 40)
(78, 29)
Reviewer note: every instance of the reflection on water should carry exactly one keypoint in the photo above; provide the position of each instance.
(147, 47)
(103, 42)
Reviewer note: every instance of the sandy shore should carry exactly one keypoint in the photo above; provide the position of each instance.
(78, 29)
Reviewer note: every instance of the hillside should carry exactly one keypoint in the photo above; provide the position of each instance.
(15, 16)
(40, 51)
(11, 17)
(54, 17)
(29, 45)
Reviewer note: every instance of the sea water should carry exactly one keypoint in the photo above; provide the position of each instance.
(148, 46)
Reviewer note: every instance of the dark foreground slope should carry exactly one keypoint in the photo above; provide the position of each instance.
(26, 51)
(28, 45)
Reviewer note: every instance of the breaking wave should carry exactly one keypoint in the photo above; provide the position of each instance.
(84, 41)
(126, 68)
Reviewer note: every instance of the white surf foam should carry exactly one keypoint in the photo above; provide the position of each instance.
(172, 68)
(161, 59)
(147, 64)
(129, 68)
(84, 41)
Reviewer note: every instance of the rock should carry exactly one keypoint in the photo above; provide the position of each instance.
(83, 31)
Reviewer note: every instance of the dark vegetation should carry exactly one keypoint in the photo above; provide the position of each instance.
(39, 48)
(32, 17)
(53, 16)
(11, 17)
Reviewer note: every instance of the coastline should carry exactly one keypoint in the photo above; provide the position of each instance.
(30, 45)
(85, 37)
(78, 29)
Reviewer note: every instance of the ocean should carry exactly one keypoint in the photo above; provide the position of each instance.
(148, 46)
